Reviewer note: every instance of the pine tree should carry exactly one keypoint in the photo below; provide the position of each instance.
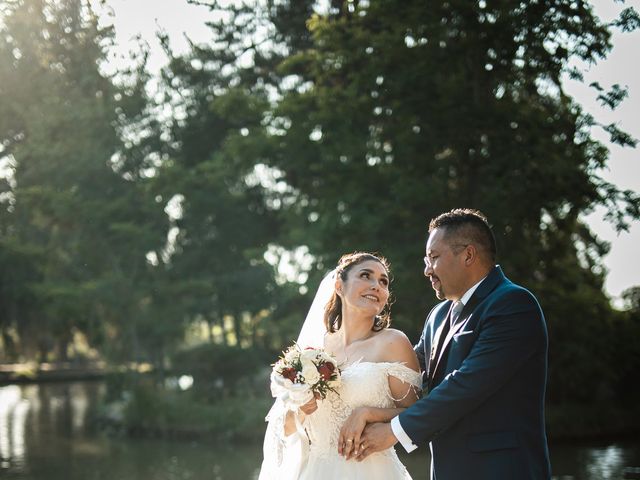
(74, 213)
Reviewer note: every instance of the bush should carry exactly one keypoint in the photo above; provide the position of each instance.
(221, 371)
(157, 412)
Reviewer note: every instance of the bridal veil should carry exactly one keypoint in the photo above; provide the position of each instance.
(284, 456)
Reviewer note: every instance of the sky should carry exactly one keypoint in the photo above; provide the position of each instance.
(144, 17)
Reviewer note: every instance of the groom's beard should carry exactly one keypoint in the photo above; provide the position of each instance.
(440, 295)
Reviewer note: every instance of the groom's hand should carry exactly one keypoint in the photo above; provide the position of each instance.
(375, 438)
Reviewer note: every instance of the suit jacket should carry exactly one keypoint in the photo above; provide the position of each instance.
(483, 411)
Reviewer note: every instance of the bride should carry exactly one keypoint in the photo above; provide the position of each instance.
(349, 318)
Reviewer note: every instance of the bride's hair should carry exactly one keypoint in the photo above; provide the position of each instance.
(333, 310)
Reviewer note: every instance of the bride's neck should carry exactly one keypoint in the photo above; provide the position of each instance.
(355, 327)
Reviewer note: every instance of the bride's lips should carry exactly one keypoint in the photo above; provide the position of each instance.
(371, 298)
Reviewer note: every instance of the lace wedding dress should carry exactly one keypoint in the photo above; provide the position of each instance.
(313, 453)
(363, 384)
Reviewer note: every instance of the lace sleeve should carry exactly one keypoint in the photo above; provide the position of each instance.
(406, 375)
(283, 456)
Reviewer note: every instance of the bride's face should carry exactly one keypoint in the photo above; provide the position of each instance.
(366, 287)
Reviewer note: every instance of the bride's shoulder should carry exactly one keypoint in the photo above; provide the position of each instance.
(394, 346)
(393, 335)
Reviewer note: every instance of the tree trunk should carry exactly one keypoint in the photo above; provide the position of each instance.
(62, 348)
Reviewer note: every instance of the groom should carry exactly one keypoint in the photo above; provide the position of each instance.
(484, 354)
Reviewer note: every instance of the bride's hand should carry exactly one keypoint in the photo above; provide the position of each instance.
(306, 409)
(311, 406)
(349, 439)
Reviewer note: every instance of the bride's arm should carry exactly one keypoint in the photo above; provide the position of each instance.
(396, 348)
(290, 421)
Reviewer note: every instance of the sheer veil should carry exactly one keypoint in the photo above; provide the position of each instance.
(285, 456)
(313, 329)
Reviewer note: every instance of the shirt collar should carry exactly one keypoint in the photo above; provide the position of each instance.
(467, 295)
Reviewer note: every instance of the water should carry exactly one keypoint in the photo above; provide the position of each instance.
(46, 433)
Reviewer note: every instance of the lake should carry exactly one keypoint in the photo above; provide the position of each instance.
(46, 433)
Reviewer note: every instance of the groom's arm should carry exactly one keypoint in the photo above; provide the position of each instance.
(506, 340)
(420, 349)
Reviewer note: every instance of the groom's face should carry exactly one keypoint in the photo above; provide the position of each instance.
(444, 266)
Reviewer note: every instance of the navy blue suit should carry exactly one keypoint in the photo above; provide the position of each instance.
(483, 408)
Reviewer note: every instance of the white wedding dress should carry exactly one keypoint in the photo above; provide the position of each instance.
(312, 452)
(362, 384)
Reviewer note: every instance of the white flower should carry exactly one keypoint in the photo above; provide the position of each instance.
(307, 360)
(309, 355)
(325, 357)
(291, 356)
(310, 372)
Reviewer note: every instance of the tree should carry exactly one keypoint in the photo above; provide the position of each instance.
(632, 297)
(389, 113)
(82, 222)
(223, 227)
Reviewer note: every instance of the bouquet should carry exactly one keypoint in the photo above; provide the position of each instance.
(299, 374)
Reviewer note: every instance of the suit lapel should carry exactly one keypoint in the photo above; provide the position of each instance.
(438, 337)
(466, 312)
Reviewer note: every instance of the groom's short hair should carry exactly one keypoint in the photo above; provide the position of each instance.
(465, 226)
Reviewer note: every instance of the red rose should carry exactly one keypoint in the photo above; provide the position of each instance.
(326, 370)
(289, 373)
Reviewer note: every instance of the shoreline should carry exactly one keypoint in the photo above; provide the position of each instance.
(34, 372)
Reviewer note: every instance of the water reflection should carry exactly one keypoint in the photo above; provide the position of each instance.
(13, 416)
(79, 407)
(47, 432)
(41, 417)
(606, 462)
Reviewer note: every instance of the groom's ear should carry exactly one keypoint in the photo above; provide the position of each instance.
(470, 255)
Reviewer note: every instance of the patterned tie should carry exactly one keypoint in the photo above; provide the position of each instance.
(455, 313)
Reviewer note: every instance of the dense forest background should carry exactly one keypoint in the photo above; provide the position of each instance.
(183, 222)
